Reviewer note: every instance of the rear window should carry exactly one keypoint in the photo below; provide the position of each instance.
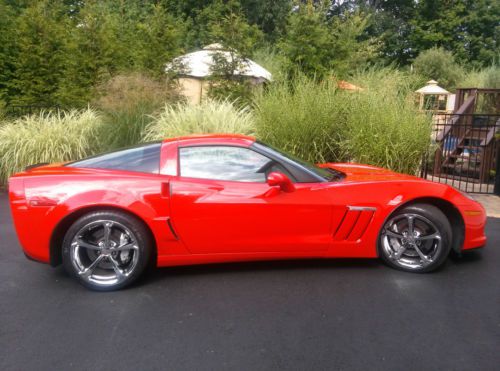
(144, 159)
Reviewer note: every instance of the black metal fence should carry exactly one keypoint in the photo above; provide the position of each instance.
(465, 152)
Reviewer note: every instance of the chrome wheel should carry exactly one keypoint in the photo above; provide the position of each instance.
(411, 241)
(104, 252)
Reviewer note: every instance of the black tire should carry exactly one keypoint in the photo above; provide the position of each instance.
(430, 245)
(83, 245)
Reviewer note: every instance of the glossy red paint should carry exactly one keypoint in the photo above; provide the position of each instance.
(220, 221)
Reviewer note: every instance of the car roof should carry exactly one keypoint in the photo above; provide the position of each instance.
(211, 138)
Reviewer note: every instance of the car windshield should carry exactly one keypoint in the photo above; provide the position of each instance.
(327, 174)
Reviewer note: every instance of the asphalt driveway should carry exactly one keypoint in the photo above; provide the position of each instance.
(304, 315)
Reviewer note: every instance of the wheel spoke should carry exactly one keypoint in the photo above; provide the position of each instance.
(410, 219)
(116, 267)
(107, 233)
(425, 259)
(400, 252)
(87, 272)
(87, 245)
(433, 236)
(390, 233)
(126, 247)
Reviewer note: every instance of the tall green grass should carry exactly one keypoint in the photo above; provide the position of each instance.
(379, 125)
(47, 137)
(208, 117)
(301, 117)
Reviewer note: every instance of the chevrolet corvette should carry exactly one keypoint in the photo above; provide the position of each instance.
(225, 198)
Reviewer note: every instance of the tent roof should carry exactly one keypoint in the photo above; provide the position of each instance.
(432, 87)
(199, 63)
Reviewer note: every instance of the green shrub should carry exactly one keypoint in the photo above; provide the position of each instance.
(485, 78)
(379, 125)
(207, 117)
(439, 64)
(127, 102)
(47, 137)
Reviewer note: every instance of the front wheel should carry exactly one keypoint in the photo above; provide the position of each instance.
(106, 250)
(416, 238)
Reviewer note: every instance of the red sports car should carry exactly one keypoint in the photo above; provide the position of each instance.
(221, 198)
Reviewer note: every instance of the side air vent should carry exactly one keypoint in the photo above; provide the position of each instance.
(354, 224)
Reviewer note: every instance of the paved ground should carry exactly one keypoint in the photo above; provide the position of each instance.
(490, 202)
(308, 315)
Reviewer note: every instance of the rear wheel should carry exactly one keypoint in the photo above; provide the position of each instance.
(106, 250)
(416, 238)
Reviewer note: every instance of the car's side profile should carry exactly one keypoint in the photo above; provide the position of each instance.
(221, 198)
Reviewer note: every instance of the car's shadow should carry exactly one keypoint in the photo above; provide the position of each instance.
(282, 265)
(159, 274)
(261, 266)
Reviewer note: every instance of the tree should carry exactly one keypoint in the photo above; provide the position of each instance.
(7, 50)
(308, 42)
(468, 28)
(40, 38)
(317, 43)
(160, 40)
(238, 39)
(94, 53)
(269, 16)
(351, 46)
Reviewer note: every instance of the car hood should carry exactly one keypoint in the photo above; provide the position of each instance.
(359, 172)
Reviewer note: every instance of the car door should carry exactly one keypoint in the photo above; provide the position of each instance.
(221, 203)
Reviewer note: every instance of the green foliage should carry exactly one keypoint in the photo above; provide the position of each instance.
(468, 28)
(379, 125)
(55, 52)
(207, 117)
(40, 40)
(350, 48)
(238, 39)
(269, 16)
(440, 65)
(314, 44)
(47, 137)
(307, 44)
(271, 60)
(161, 41)
(127, 102)
(485, 78)
(7, 49)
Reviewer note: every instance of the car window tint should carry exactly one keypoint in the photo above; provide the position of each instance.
(145, 158)
(222, 163)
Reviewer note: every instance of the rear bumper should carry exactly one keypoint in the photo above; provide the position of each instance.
(32, 233)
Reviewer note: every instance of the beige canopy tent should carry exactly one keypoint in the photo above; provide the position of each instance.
(194, 69)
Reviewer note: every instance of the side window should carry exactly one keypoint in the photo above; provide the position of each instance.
(223, 163)
(144, 158)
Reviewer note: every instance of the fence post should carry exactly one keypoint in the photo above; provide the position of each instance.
(496, 190)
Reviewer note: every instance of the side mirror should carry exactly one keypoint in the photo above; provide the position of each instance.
(281, 180)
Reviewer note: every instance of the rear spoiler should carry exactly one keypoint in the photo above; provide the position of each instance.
(35, 165)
